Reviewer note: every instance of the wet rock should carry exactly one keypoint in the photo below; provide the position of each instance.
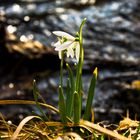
(27, 47)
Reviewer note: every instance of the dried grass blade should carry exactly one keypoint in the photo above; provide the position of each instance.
(20, 126)
(103, 130)
(6, 102)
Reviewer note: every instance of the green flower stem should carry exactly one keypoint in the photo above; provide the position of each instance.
(61, 70)
(62, 105)
(69, 105)
(78, 89)
(81, 58)
(71, 77)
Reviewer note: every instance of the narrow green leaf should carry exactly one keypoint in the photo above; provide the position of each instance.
(90, 95)
(35, 90)
(77, 109)
(68, 100)
(137, 133)
(95, 136)
(62, 105)
(102, 137)
(36, 94)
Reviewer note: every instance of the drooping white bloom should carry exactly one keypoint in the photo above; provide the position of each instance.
(67, 42)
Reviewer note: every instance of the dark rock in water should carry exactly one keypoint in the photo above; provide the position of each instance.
(19, 57)
(111, 42)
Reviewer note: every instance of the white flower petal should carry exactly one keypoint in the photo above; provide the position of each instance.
(63, 46)
(58, 43)
(71, 49)
(77, 52)
(64, 34)
(70, 52)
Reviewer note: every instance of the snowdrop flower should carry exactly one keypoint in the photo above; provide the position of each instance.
(67, 42)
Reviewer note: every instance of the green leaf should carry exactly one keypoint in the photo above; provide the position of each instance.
(68, 100)
(95, 136)
(62, 105)
(36, 94)
(77, 108)
(90, 95)
(137, 133)
(102, 137)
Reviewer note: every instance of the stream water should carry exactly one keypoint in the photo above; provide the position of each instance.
(111, 42)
